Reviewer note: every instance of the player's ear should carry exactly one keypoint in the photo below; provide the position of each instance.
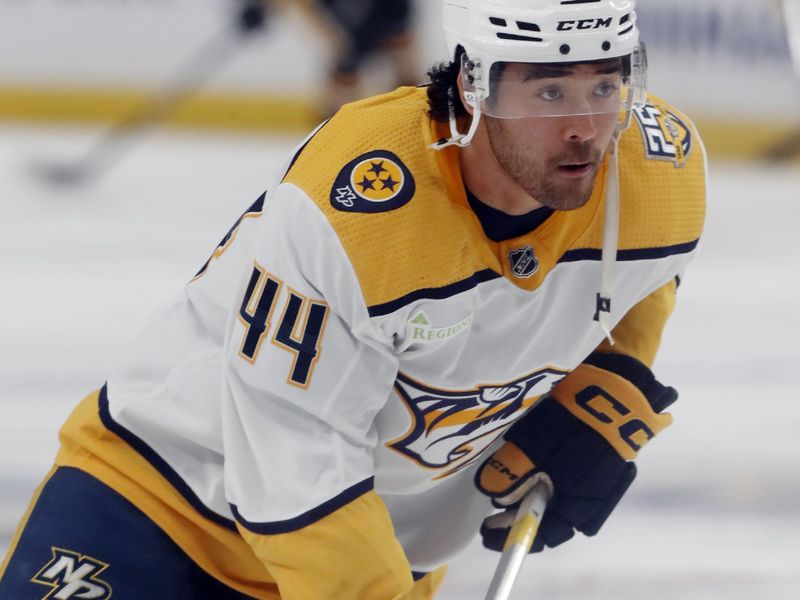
(460, 84)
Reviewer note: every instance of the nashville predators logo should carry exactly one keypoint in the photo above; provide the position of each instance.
(71, 575)
(372, 183)
(450, 429)
(666, 136)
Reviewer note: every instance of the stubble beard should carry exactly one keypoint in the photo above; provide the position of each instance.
(541, 181)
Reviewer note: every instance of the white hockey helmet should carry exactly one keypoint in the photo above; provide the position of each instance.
(496, 34)
(541, 31)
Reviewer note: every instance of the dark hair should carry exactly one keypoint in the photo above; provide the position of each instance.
(443, 89)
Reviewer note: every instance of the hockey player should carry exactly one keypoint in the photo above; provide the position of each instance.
(413, 325)
(355, 30)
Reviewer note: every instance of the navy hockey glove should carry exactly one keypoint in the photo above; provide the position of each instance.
(581, 439)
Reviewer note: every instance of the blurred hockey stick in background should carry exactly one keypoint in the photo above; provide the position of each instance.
(789, 147)
(187, 80)
(520, 539)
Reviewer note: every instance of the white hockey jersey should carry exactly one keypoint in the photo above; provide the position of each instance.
(356, 343)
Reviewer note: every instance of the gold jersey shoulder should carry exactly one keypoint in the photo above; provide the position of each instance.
(662, 165)
(389, 196)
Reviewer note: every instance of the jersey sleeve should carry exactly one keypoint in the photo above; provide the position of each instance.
(640, 331)
(305, 374)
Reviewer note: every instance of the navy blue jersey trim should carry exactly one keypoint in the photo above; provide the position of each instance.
(630, 255)
(312, 516)
(256, 208)
(499, 226)
(441, 293)
(159, 463)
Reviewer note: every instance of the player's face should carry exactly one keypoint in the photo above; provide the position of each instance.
(555, 158)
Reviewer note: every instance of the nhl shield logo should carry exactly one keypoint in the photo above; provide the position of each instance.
(524, 263)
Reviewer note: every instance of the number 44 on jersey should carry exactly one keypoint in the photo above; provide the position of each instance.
(299, 330)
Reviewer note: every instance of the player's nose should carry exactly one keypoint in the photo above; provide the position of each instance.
(579, 128)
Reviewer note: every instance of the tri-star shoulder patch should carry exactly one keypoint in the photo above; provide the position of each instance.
(375, 182)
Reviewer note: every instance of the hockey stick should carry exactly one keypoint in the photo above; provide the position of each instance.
(111, 147)
(519, 542)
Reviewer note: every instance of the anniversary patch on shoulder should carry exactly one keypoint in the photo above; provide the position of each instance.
(666, 136)
(375, 182)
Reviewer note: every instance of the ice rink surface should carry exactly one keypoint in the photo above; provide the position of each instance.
(715, 513)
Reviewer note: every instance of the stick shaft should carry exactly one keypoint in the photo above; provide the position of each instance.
(186, 81)
(520, 539)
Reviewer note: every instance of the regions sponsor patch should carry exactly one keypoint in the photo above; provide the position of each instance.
(421, 330)
(373, 183)
(666, 136)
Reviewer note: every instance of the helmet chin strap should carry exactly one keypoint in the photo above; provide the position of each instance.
(611, 232)
(610, 243)
(462, 140)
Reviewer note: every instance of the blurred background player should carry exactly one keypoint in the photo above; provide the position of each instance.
(357, 31)
(788, 148)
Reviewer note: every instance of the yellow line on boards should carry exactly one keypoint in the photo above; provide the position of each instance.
(745, 139)
(219, 111)
(243, 112)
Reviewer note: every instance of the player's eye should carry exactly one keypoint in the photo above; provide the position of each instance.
(551, 94)
(606, 89)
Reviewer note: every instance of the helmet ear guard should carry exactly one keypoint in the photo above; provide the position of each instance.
(472, 81)
(457, 138)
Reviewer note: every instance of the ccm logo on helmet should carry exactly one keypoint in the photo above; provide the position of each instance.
(585, 24)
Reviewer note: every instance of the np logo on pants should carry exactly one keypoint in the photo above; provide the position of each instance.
(73, 576)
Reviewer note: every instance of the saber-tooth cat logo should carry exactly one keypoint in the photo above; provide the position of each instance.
(450, 428)
(73, 576)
